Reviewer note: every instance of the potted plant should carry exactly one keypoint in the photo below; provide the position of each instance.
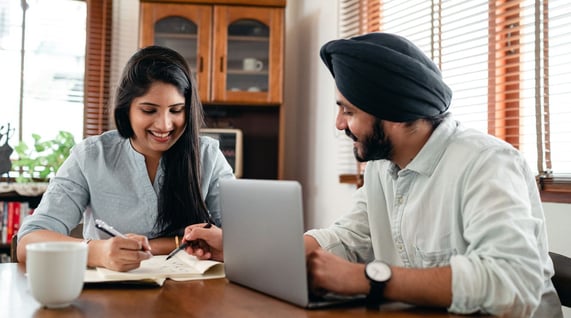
(43, 160)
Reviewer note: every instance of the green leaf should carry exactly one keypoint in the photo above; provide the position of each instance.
(46, 157)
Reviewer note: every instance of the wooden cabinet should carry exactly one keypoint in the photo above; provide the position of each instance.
(235, 49)
(236, 52)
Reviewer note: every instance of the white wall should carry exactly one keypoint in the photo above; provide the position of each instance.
(558, 220)
(310, 111)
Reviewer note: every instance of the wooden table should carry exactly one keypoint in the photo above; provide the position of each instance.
(208, 298)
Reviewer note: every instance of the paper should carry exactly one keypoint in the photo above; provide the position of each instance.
(157, 269)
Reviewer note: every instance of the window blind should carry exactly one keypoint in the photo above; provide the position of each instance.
(557, 89)
(97, 66)
(111, 44)
(349, 26)
(355, 17)
(124, 21)
(506, 63)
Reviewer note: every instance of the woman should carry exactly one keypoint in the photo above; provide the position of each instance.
(151, 177)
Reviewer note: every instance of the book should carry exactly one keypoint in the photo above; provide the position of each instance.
(3, 218)
(157, 269)
(16, 215)
(13, 222)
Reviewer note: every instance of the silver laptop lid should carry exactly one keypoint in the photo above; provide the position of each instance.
(263, 237)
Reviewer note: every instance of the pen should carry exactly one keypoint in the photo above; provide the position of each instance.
(185, 244)
(99, 224)
(102, 226)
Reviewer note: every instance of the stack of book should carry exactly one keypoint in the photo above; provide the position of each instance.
(12, 214)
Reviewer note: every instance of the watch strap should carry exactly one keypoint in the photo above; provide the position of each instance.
(375, 295)
(377, 286)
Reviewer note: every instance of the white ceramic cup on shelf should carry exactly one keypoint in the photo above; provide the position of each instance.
(252, 64)
(254, 89)
(56, 272)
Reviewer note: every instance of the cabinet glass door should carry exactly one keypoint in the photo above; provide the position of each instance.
(248, 56)
(184, 28)
(181, 35)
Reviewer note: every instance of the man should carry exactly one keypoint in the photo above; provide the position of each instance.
(447, 216)
(452, 216)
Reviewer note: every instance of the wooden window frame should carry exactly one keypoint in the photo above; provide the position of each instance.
(503, 90)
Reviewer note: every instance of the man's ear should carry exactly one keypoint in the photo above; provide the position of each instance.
(390, 126)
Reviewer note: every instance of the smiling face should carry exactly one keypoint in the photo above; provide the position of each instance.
(157, 119)
(369, 139)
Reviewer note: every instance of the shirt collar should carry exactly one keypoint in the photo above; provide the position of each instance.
(428, 157)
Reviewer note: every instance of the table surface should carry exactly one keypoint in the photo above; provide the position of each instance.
(198, 298)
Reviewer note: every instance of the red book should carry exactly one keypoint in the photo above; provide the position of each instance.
(3, 221)
(17, 218)
(13, 220)
(10, 222)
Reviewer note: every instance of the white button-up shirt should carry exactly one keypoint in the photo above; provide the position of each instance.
(468, 201)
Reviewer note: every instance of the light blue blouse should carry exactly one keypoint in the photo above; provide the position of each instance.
(467, 200)
(105, 178)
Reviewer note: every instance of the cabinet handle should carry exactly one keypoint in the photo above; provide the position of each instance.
(221, 64)
(200, 65)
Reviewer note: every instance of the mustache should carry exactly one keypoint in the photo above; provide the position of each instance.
(350, 134)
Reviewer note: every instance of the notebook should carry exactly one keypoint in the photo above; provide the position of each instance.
(263, 240)
(157, 269)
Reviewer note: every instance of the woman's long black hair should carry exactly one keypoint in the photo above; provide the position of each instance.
(180, 197)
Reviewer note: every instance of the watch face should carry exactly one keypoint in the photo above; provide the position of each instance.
(378, 271)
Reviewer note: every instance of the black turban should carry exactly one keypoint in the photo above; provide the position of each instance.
(387, 76)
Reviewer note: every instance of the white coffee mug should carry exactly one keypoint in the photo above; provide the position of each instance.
(252, 64)
(56, 271)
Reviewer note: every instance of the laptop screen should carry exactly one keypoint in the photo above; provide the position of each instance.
(263, 237)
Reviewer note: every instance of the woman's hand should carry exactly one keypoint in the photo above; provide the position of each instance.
(206, 242)
(120, 253)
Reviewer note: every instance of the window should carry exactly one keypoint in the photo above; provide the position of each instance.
(89, 115)
(42, 52)
(98, 66)
(355, 17)
(506, 62)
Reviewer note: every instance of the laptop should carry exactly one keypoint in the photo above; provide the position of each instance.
(263, 240)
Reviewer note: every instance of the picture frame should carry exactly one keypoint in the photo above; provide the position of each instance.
(230, 140)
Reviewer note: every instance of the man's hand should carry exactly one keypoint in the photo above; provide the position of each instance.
(333, 273)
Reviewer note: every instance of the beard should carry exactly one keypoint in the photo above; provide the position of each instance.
(375, 147)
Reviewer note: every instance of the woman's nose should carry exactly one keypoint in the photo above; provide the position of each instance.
(165, 122)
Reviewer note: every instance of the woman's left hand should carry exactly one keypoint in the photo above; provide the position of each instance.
(206, 241)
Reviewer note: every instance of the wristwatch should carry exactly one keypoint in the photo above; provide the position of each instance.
(378, 273)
